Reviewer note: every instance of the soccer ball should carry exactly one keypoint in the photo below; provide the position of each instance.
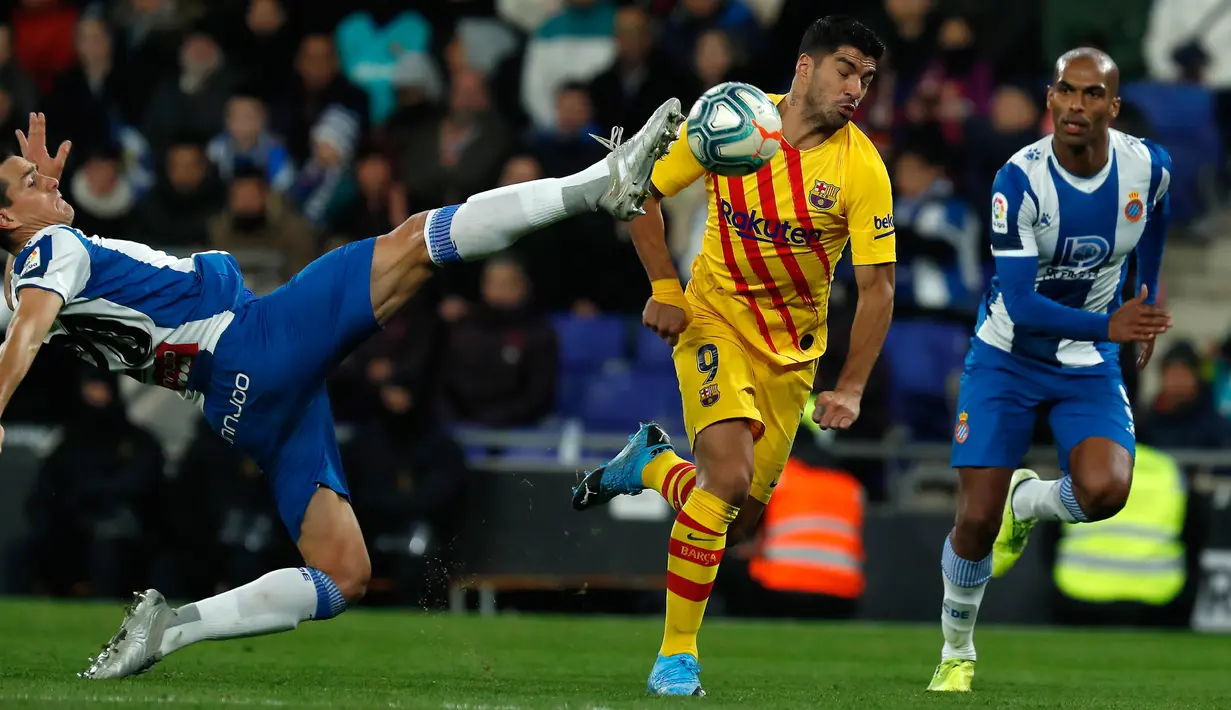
(734, 129)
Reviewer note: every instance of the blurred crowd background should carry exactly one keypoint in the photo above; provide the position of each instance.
(277, 130)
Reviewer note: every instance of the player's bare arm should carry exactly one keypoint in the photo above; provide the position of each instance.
(32, 320)
(839, 408)
(666, 312)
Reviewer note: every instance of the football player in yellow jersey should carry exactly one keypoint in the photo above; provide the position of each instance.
(749, 329)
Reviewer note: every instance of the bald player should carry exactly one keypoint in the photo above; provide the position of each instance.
(1067, 211)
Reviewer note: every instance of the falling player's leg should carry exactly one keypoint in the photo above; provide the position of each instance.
(311, 494)
(996, 411)
(1092, 421)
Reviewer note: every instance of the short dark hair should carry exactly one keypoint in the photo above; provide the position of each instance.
(832, 31)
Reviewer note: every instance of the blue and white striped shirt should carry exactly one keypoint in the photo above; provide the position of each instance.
(1061, 245)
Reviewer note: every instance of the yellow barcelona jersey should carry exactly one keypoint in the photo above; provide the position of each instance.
(773, 237)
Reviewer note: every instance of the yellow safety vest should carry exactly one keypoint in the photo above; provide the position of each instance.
(1137, 555)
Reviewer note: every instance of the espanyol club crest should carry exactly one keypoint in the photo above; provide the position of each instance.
(824, 195)
(1134, 209)
(963, 428)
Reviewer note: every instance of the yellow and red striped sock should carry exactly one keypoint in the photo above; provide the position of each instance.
(672, 476)
(698, 540)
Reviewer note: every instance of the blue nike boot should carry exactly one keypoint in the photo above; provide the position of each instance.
(622, 474)
(679, 674)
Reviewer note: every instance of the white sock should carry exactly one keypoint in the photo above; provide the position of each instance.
(276, 602)
(1047, 500)
(491, 221)
(965, 582)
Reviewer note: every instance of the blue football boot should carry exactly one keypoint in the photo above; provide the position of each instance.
(621, 476)
(675, 675)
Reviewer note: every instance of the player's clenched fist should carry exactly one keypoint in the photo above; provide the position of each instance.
(667, 312)
(1138, 320)
(837, 409)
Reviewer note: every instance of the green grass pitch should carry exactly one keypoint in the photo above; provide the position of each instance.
(387, 659)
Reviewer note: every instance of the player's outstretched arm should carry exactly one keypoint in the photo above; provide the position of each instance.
(667, 312)
(35, 314)
(839, 408)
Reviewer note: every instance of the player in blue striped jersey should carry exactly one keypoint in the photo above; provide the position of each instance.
(1067, 211)
(257, 366)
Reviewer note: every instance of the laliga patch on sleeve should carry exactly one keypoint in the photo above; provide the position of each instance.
(34, 261)
(1000, 214)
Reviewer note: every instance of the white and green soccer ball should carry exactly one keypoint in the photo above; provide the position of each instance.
(734, 129)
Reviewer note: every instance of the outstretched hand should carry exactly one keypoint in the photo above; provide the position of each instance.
(34, 148)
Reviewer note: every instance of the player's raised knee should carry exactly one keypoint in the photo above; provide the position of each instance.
(1101, 494)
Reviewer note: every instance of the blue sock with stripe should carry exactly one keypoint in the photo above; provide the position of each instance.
(965, 581)
(329, 601)
(1069, 501)
(1047, 500)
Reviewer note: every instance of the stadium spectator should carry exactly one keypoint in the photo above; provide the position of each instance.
(692, 19)
(991, 140)
(446, 161)
(408, 478)
(910, 35)
(193, 101)
(639, 79)
(955, 86)
(102, 194)
(381, 205)
(264, 44)
(176, 212)
(92, 508)
(567, 147)
(324, 187)
(1183, 415)
(501, 360)
(575, 45)
(716, 59)
(261, 229)
(938, 258)
(88, 99)
(39, 29)
(420, 91)
(246, 141)
(318, 84)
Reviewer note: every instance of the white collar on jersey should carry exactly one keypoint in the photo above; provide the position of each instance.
(1085, 184)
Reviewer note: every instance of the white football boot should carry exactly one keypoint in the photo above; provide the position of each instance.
(136, 647)
(632, 161)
